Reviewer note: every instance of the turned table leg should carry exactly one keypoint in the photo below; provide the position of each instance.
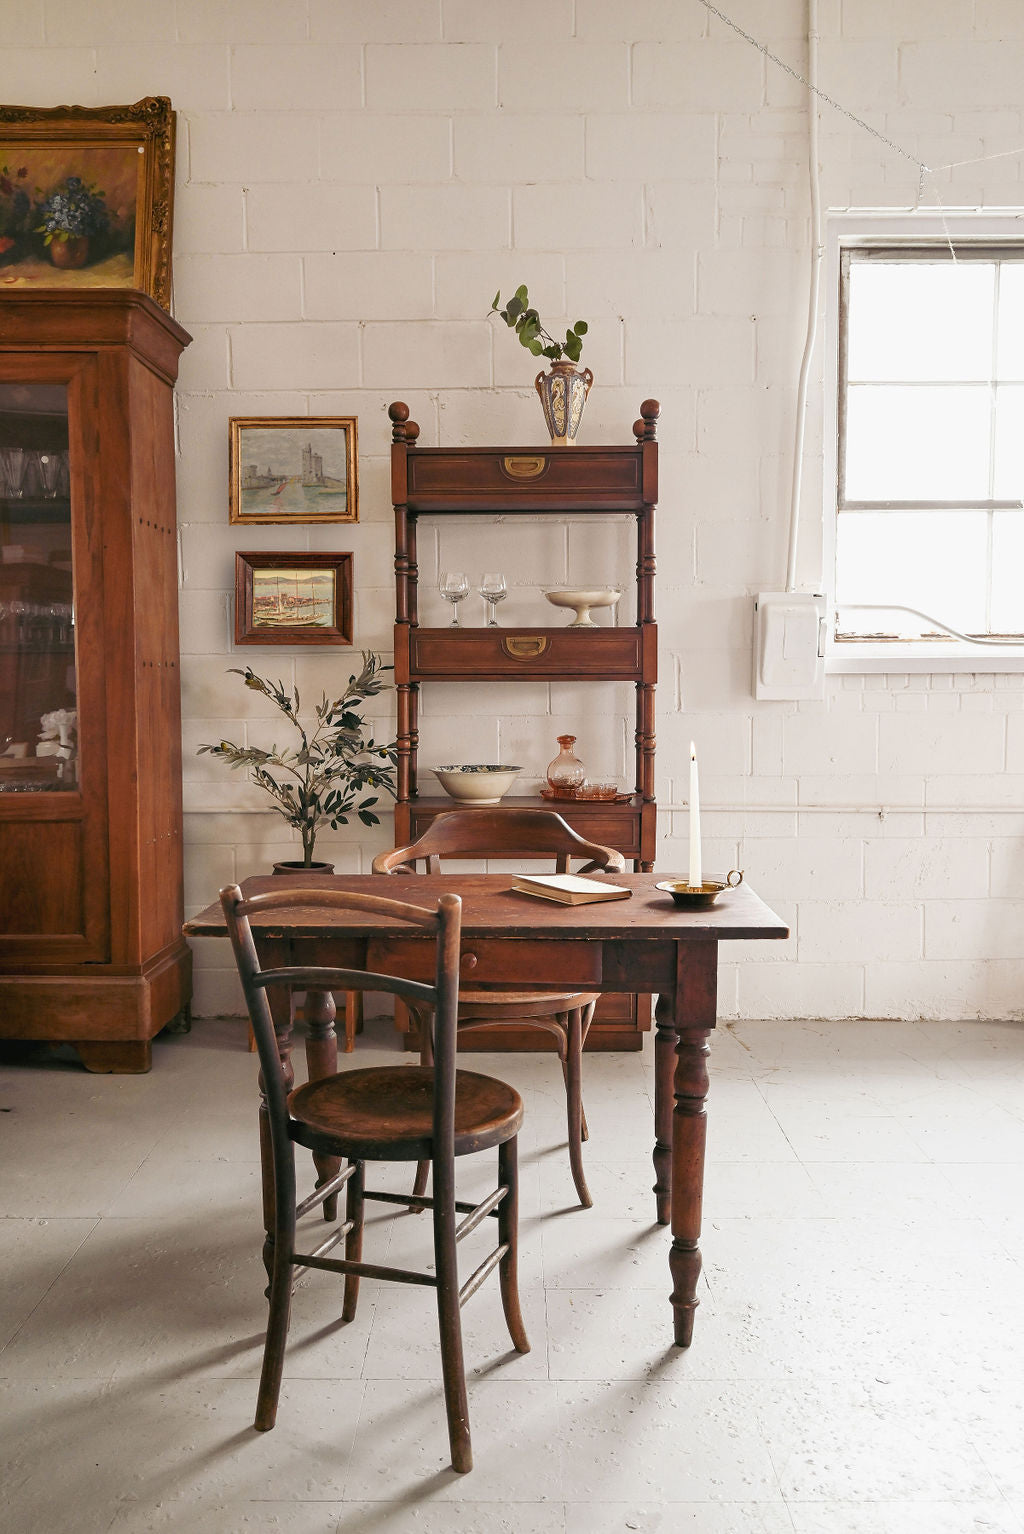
(664, 1076)
(695, 1007)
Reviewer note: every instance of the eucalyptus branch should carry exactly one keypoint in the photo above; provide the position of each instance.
(525, 321)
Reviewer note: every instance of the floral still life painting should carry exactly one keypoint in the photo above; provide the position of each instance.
(299, 469)
(85, 197)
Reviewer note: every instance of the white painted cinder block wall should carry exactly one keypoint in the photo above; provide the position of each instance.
(355, 179)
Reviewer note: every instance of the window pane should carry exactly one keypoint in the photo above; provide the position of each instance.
(1009, 469)
(932, 560)
(1007, 564)
(928, 321)
(1010, 354)
(917, 444)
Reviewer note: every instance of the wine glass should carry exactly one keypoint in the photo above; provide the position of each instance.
(493, 588)
(453, 586)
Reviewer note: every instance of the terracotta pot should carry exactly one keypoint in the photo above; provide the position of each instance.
(71, 253)
(296, 866)
(563, 393)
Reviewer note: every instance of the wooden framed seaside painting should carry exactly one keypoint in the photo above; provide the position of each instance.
(86, 197)
(292, 598)
(294, 469)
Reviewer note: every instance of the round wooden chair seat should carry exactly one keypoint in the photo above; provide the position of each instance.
(387, 1113)
(498, 1005)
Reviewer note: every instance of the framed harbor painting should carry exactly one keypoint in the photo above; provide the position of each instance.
(86, 196)
(293, 598)
(293, 469)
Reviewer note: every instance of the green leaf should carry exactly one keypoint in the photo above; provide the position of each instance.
(514, 306)
(497, 299)
(522, 295)
(581, 327)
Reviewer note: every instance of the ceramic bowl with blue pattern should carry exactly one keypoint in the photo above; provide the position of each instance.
(477, 782)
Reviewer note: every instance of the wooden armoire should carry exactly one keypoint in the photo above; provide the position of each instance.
(91, 950)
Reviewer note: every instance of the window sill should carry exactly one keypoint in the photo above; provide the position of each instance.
(863, 659)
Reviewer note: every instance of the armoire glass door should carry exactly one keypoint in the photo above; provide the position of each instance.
(38, 690)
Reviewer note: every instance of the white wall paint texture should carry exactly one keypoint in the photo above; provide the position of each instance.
(355, 179)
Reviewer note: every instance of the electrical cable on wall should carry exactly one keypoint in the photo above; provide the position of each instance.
(813, 297)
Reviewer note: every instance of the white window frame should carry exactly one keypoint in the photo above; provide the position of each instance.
(845, 230)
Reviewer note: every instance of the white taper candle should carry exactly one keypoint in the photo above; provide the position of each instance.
(696, 876)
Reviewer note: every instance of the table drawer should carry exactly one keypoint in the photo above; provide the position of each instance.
(498, 960)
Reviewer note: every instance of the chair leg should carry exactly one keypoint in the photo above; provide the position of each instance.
(508, 1234)
(574, 1104)
(584, 1131)
(449, 1318)
(424, 1023)
(588, 1018)
(419, 1186)
(354, 1239)
(280, 1307)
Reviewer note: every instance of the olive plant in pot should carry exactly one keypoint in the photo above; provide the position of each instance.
(563, 389)
(325, 777)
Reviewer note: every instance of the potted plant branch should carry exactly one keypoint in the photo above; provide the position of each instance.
(324, 778)
(563, 390)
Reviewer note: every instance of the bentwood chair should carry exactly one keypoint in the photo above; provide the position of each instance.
(384, 1113)
(565, 1015)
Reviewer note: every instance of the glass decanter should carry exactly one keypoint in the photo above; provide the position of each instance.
(565, 772)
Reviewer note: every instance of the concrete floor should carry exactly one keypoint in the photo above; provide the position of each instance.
(858, 1364)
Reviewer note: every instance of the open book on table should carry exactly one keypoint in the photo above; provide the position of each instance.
(570, 889)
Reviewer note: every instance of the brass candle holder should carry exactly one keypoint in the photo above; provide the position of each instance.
(698, 897)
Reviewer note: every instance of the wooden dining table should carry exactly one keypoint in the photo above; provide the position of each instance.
(644, 944)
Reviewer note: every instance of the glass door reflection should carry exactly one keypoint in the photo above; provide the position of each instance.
(38, 691)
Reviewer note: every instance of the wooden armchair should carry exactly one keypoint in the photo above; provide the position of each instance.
(565, 1015)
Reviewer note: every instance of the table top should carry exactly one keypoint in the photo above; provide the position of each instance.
(490, 906)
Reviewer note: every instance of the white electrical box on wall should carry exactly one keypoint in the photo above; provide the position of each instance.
(789, 644)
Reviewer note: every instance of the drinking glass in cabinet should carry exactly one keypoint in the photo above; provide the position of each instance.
(453, 586)
(493, 588)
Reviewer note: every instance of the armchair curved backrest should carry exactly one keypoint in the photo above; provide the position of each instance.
(500, 833)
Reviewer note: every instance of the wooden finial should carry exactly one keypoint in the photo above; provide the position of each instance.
(646, 429)
(399, 413)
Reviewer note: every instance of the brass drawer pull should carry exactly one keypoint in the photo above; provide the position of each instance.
(524, 647)
(524, 468)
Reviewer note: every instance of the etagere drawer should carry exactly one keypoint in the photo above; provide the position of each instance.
(489, 654)
(510, 479)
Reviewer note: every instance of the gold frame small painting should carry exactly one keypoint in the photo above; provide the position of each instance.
(86, 197)
(293, 469)
(293, 598)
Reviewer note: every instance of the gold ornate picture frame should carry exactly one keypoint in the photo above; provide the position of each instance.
(86, 197)
(293, 469)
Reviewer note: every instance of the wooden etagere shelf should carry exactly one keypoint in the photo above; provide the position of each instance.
(475, 481)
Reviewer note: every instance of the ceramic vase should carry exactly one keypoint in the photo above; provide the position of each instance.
(563, 393)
